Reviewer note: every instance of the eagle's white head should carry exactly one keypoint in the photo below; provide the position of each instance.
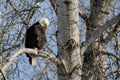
(44, 22)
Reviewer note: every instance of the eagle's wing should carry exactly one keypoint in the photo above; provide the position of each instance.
(31, 42)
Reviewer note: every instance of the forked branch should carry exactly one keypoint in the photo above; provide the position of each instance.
(99, 31)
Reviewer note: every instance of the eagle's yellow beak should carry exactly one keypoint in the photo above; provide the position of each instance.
(46, 26)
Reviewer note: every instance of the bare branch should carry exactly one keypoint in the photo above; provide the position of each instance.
(83, 16)
(99, 31)
(109, 54)
(29, 51)
(112, 33)
(4, 75)
(53, 3)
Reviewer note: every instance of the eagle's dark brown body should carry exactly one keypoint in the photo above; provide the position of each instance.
(35, 38)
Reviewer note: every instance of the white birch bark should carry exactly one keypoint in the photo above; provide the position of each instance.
(67, 12)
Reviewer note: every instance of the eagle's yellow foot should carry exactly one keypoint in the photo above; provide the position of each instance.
(40, 51)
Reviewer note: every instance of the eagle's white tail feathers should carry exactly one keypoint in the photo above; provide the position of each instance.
(33, 61)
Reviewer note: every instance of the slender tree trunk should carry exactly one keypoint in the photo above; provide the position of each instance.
(0, 55)
(94, 64)
(68, 40)
(1, 37)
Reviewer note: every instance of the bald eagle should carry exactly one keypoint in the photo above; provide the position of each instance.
(35, 38)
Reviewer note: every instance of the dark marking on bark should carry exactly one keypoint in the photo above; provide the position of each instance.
(117, 27)
(78, 66)
(66, 15)
(70, 45)
(105, 12)
(57, 5)
(67, 2)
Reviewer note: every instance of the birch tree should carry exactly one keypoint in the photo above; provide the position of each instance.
(68, 40)
(66, 56)
(94, 60)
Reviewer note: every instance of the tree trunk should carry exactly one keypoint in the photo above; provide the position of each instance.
(1, 37)
(94, 64)
(68, 40)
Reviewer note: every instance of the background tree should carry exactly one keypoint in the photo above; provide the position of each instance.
(83, 40)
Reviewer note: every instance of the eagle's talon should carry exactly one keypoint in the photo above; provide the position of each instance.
(40, 51)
